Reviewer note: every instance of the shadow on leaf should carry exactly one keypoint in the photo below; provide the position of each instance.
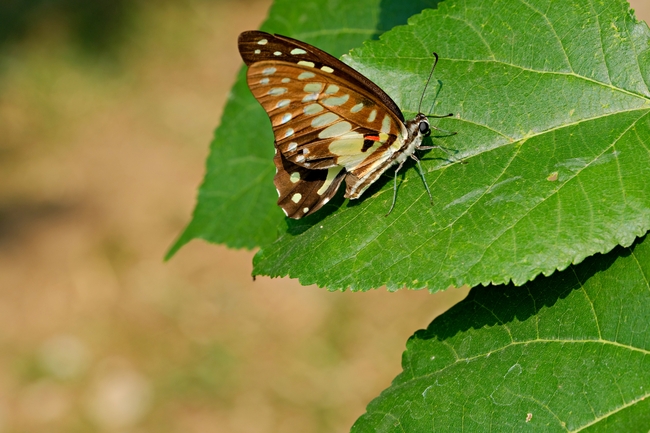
(497, 305)
(394, 13)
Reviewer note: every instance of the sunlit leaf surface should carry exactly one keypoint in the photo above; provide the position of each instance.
(551, 163)
(570, 352)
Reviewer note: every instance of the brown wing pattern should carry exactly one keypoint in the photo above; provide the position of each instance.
(330, 123)
(302, 191)
(318, 120)
(283, 48)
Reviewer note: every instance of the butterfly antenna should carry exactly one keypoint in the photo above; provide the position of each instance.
(435, 62)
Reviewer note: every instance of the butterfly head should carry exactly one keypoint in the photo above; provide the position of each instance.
(423, 127)
(419, 126)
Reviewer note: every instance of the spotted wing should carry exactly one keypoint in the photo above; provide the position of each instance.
(325, 116)
(302, 191)
(256, 46)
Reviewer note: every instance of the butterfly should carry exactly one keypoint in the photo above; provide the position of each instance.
(331, 124)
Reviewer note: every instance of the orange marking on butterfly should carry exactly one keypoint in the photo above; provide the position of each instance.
(371, 137)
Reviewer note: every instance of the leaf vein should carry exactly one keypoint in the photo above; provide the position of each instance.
(550, 25)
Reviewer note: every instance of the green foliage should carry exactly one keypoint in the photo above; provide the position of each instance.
(551, 111)
(551, 165)
(572, 350)
(552, 120)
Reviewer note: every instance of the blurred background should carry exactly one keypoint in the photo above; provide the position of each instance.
(107, 109)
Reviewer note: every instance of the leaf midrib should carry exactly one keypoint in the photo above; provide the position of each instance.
(520, 343)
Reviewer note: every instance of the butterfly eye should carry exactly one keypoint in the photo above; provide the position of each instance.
(424, 128)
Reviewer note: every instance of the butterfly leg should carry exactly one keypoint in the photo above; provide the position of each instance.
(422, 175)
(394, 188)
(446, 131)
(447, 151)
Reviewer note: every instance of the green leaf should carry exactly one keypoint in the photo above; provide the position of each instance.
(551, 106)
(237, 200)
(570, 352)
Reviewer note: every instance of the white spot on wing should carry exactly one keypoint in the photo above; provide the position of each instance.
(331, 174)
(385, 124)
(348, 145)
(277, 53)
(277, 91)
(357, 108)
(335, 130)
(305, 63)
(286, 80)
(372, 116)
(264, 81)
(296, 197)
(282, 103)
(289, 133)
(258, 51)
(310, 97)
(306, 75)
(262, 42)
(331, 89)
(312, 109)
(285, 118)
(312, 87)
(300, 158)
(292, 146)
(305, 210)
(327, 69)
(298, 51)
(269, 71)
(336, 101)
(295, 177)
(324, 119)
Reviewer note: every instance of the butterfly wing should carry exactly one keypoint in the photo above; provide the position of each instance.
(302, 191)
(330, 122)
(255, 46)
